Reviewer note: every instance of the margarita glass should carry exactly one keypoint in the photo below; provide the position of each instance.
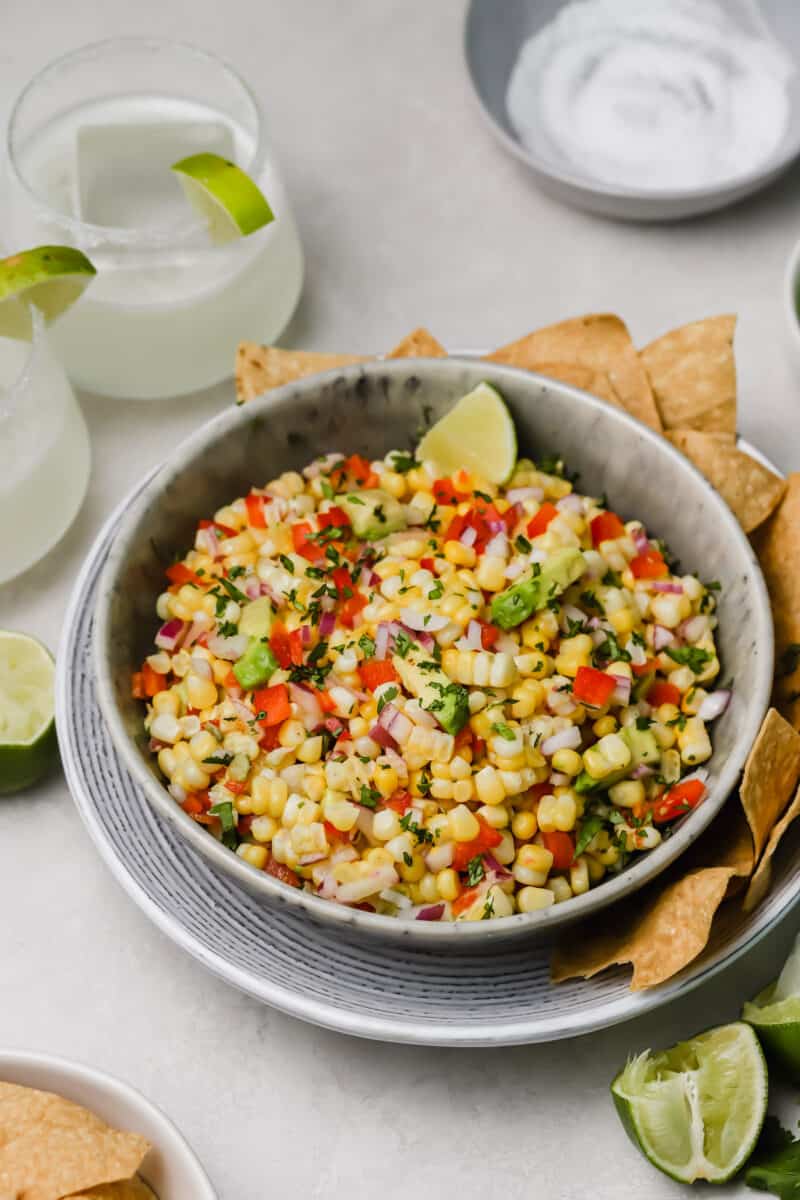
(44, 450)
(91, 141)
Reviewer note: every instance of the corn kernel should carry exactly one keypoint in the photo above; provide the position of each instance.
(264, 829)
(560, 888)
(604, 725)
(448, 884)
(459, 554)
(463, 825)
(524, 825)
(627, 794)
(489, 786)
(579, 877)
(568, 762)
(531, 899)
(256, 856)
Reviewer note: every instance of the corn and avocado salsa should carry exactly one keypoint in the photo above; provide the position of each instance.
(429, 696)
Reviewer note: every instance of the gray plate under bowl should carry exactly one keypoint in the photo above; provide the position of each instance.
(495, 30)
(371, 409)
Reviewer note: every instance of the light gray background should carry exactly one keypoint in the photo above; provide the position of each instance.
(409, 213)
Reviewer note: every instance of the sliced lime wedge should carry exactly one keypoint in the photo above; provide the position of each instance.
(695, 1111)
(51, 277)
(224, 196)
(775, 1016)
(477, 433)
(27, 728)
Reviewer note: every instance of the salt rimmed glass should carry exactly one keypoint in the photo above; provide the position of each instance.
(166, 310)
(44, 451)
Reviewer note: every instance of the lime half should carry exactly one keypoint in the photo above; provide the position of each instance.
(696, 1110)
(224, 196)
(775, 1016)
(51, 277)
(477, 433)
(27, 728)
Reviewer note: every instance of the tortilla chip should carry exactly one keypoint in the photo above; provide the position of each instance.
(777, 545)
(759, 884)
(693, 374)
(749, 489)
(659, 941)
(727, 842)
(126, 1189)
(770, 776)
(599, 341)
(595, 382)
(260, 368)
(418, 344)
(50, 1147)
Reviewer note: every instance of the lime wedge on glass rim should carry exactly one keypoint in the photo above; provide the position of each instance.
(775, 1016)
(50, 277)
(695, 1111)
(27, 725)
(477, 433)
(223, 195)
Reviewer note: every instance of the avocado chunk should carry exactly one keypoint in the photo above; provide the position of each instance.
(256, 618)
(644, 749)
(530, 594)
(437, 694)
(373, 513)
(256, 665)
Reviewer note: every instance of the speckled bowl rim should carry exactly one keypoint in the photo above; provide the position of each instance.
(424, 933)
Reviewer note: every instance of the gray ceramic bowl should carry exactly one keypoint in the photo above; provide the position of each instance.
(493, 35)
(372, 409)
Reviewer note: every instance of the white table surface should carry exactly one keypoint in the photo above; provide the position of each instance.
(409, 213)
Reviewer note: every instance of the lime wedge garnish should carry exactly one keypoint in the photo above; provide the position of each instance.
(27, 728)
(477, 433)
(775, 1016)
(51, 277)
(224, 196)
(696, 1110)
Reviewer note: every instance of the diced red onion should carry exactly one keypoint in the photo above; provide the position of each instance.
(593, 622)
(382, 737)
(396, 723)
(521, 494)
(693, 628)
(572, 502)
(327, 603)
(399, 764)
(497, 547)
(334, 725)
(229, 648)
(308, 704)
(642, 771)
(359, 889)
(170, 634)
(327, 886)
(622, 689)
(637, 652)
(374, 579)
(474, 636)
(397, 898)
(565, 739)
(500, 872)
(570, 613)
(177, 792)
(240, 708)
(306, 860)
(154, 745)
(559, 780)
(200, 625)
(202, 667)
(641, 540)
(432, 912)
(207, 542)
(425, 640)
(714, 705)
(496, 525)
(306, 633)
(327, 624)
(252, 587)
(468, 536)
(505, 644)
(275, 597)
(322, 464)
(422, 622)
(663, 585)
(515, 568)
(662, 638)
(382, 640)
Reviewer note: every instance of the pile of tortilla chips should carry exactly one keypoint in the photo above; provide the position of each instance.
(51, 1149)
(683, 385)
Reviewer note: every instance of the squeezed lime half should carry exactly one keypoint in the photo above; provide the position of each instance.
(27, 727)
(695, 1111)
(477, 433)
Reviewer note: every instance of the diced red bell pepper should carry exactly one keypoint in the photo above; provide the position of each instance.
(649, 565)
(463, 738)
(663, 692)
(489, 634)
(308, 549)
(255, 511)
(541, 519)
(236, 786)
(399, 801)
(465, 900)
(456, 527)
(282, 872)
(350, 610)
(606, 527)
(487, 839)
(335, 517)
(538, 790)
(270, 738)
(444, 492)
(280, 644)
(137, 686)
(373, 673)
(679, 800)
(428, 564)
(225, 530)
(179, 573)
(358, 469)
(152, 682)
(273, 702)
(196, 802)
(324, 700)
(343, 582)
(562, 848)
(592, 687)
(478, 747)
(646, 668)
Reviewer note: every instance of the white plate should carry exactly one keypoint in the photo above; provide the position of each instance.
(279, 957)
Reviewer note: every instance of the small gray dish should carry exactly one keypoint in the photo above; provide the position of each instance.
(372, 408)
(493, 35)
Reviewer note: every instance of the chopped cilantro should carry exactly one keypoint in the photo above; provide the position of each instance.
(504, 731)
(409, 825)
(522, 544)
(287, 563)
(488, 908)
(690, 656)
(369, 797)
(610, 651)
(589, 599)
(221, 760)
(402, 462)
(402, 643)
(612, 579)
(326, 489)
(590, 827)
(475, 870)
(367, 644)
(386, 697)
(232, 590)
